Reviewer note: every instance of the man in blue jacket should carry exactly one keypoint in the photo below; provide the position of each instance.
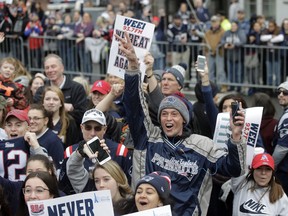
(189, 159)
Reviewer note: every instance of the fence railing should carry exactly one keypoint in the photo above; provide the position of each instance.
(246, 66)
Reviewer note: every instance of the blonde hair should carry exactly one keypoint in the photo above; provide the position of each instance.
(20, 70)
(9, 60)
(62, 113)
(84, 82)
(118, 175)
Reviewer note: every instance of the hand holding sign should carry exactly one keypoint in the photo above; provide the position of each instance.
(140, 35)
(127, 48)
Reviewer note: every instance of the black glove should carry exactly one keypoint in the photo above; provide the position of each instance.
(80, 149)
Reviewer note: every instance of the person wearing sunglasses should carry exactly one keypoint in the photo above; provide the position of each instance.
(93, 125)
(280, 141)
(38, 185)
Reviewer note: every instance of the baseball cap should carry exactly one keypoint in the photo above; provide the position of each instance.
(19, 114)
(94, 115)
(101, 86)
(263, 159)
(283, 85)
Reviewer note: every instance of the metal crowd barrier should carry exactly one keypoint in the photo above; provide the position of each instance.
(249, 66)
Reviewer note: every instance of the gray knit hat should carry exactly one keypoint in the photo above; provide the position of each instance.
(283, 85)
(175, 103)
(179, 72)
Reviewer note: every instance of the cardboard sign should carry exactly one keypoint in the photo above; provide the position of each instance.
(250, 131)
(89, 204)
(160, 211)
(141, 35)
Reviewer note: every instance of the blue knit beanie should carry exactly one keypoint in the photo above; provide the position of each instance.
(160, 181)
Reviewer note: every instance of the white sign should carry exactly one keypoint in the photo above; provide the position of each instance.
(250, 131)
(141, 35)
(91, 203)
(160, 211)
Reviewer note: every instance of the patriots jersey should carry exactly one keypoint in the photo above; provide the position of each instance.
(13, 157)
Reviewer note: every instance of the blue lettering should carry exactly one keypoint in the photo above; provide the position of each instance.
(141, 25)
(52, 212)
(254, 127)
(89, 207)
(134, 23)
(250, 203)
(127, 22)
(61, 208)
(79, 206)
(71, 208)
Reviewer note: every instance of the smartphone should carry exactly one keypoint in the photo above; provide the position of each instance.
(201, 61)
(103, 155)
(235, 108)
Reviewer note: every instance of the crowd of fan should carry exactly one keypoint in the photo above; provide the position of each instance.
(160, 144)
(223, 37)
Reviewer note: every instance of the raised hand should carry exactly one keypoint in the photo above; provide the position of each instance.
(127, 48)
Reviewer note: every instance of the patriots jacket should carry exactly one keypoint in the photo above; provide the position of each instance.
(190, 160)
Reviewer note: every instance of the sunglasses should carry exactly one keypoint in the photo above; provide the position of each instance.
(89, 128)
(285, 93)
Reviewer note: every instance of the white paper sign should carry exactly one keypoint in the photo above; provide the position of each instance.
(160, 211)
(9, 1)
(141, 35)
(91, 203)
(250, 131)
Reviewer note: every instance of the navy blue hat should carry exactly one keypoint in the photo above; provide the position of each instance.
(160, 181)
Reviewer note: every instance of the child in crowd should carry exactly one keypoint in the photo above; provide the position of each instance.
(10, 90)
(152, 191)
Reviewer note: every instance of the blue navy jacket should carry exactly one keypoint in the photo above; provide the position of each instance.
(190, 160)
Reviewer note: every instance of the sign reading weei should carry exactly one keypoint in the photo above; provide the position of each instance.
(140, 34)
(250, 131)
(89, 204)
(159, 211)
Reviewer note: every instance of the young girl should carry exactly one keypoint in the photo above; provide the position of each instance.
(63, 124)
(37, 186)
(152, 191)
(13, 188)
(258, 193)
(108, 176)
(41, 124)
(9, 89)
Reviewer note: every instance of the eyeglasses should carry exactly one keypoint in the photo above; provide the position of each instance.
(38, 191)
(285, 93)
(89, 128)
(35, 118)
